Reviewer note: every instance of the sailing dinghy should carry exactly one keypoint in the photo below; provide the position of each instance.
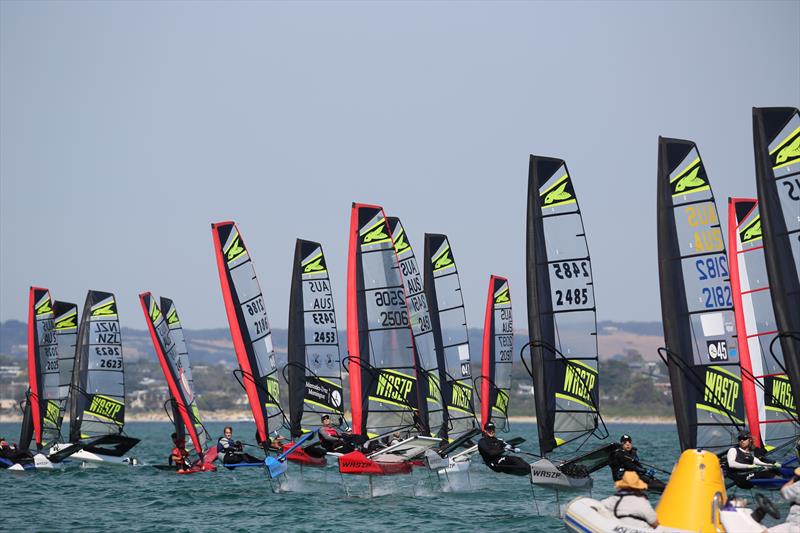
(768, 402)
(174, 361)
(701, 349)
(449, 325)
(562, 326)
(313, 372)
(776, 140)
(252, 342)
(384, 391)
(43, 409)
(97, 409)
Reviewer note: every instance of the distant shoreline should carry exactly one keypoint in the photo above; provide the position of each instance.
(241, 416)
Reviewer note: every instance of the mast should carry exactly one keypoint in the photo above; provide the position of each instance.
(498, 351)
(696, 304)
(776, 140)
(769, 406)
(314, 368)
(383, 385)
(449, 323)
(561, 308)
(247, 317)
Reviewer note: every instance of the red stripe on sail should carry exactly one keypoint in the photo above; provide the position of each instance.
(353, 347)
(486, 408)
(33, 374)
(745, 362)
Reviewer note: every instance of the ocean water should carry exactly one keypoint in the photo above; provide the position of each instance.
(309, 499)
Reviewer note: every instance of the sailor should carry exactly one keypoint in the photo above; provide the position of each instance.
(743, 465)
(494, 453)
(179, 456)
(328, 436)
(630, 503)
(233, 451)
(275, 444)
(625, 458)
(791, 493)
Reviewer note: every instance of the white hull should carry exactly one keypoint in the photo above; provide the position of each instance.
(585, 515)
(40, 461)
(90, 457)
(545, 474)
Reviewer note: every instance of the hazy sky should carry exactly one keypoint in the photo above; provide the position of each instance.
(127, 128)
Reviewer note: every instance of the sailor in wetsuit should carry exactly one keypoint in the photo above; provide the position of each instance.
(493, 451)
(630, 503)
(232, 451)
(329, 437)
(10, 454)
(744, 465)
(180, 455)
(626, 459)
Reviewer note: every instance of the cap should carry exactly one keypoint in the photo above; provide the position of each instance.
(489, 426)
(631, 480)
(744, 435)
(325, 417)
(625, 438)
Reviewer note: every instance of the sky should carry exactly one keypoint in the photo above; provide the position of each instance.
(127, 128)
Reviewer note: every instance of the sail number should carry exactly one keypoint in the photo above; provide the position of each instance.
(571, 269)
(261, 326)
(325, 337)
(111, 363)
(712, 267)
(323, 318)
(394, 318)
(718, 296)
(256, 306)
(572, 297)
(107, 350)
(386, 298)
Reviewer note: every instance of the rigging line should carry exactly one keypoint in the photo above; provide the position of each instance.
(669, 355)
(85, 394)
(195, 421)
(375, 373)
(506, 423)
(784, 334)
(543, 344)
(763, 387)
(261, 386)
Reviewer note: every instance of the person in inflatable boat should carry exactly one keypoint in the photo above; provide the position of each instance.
(630, 503)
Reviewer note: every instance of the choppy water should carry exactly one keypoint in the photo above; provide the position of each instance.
(314, 500)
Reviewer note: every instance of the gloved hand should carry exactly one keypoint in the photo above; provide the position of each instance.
(508, 447)
(650, 473)
(516, 450)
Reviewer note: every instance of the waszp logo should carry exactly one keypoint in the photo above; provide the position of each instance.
(67, 322)
(155, 312)
(172, 316)
(43, 307)
(315, 265)
(560, 193)
(502, 297)
(376, 234)
(752, 232)
(235, 249)
(443, 260)
(105, 309)
(789, 150)
(693, 179)
(400, 244)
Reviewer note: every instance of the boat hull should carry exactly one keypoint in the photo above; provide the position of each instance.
(545, 474)
(356, 463)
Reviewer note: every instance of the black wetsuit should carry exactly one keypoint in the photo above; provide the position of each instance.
(622, 461)
(493, 450)
(234, 452)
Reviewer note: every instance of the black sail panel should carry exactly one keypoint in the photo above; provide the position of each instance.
(776, 137)
(66, 328)
(314, 368)
(696, 302)
(561, 307)
(449, 322)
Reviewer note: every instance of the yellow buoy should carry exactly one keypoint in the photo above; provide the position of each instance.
(686, 502)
